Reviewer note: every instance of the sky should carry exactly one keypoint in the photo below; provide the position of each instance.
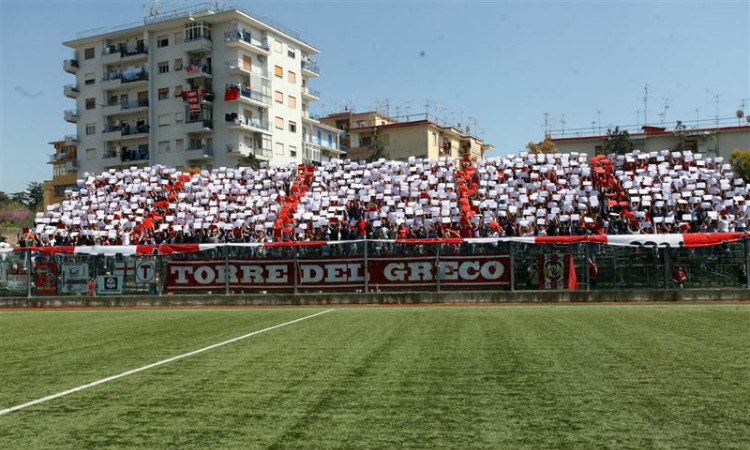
(495, 66)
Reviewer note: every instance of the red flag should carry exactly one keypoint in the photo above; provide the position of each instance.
(571, 280)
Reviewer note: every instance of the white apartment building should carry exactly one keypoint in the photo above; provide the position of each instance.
(195, 88)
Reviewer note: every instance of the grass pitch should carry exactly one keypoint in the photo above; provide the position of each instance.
(528, 377)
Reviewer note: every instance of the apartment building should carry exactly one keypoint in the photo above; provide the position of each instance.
(417, 135)
(64, 161)
(194, 87)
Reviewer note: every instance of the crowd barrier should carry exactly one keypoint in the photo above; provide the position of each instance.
(717, 260)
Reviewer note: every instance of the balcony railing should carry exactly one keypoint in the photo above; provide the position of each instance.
(205, 152)
(238, 36)
(197, 70)
(310, 67)
(129, 130)
(240, 65)
(71, 115)
(255, 95)
(71, 90)
(70, 65)
(123, 50)
(134, 154)
(130, 76)
(203, 123)
(249, 122)
(132, 104)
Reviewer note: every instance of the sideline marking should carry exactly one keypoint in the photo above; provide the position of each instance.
(152, 365)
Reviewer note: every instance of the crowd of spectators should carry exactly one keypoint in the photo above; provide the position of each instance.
(523, 195)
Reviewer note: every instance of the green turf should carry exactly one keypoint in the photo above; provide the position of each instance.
(528, 377)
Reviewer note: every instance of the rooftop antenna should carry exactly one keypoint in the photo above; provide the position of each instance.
(645, 105)
(717, 110)
(219, 5)
(563, 124)
(546, 126)
(599, 119)
(663, 114)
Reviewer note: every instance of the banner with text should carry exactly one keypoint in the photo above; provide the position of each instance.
(339, 274)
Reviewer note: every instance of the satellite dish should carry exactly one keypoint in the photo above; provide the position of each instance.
(740, 114)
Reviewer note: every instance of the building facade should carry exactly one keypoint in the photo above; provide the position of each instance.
(194, 88)
(64, 161)
(403, 139)
(716, 141)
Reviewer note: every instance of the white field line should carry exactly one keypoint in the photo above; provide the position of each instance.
(152, 365)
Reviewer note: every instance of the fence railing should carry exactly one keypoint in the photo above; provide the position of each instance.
(367, 266)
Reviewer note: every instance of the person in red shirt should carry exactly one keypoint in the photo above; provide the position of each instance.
(679, 278)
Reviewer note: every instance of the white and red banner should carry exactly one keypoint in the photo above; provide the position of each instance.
(330, 274)
(193, 100)
(556, 271)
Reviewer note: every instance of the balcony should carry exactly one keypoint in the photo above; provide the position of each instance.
(59, 158)
(129, 132)
(309, 94)
(252, 125)
(71, 165)
(197, 71)
(134, 106)
(199, 126)
(137, 155)
(197, 44)
(247, 95)
(129, 78)
(239, 67)
(244, 150)
(71, 116)
(310, 69)
(245, 41)
(117, 53)
(71, 90)
(198, 153)
(71, 139)
(70, 66)
(111, 133)
(111, 158)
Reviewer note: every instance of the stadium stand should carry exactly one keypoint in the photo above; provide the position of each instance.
(525, 195)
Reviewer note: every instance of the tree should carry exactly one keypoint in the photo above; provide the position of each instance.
(618, 142)
(249, 160)
(740, 159)
(32, 197)
(377, 150)
(545, 146)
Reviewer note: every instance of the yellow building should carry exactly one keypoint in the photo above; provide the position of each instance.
(422, 138)
(64, 170)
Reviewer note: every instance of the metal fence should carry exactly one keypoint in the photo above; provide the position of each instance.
(374, 266)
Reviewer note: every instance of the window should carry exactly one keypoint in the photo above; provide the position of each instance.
(162, 41)
(278, 71)
(279, 148)
(279, 123)
(179, 117)
(89, 78)
(291, 77)
(90, 103)
(292, 126)
(277, 46)
(163, 67)
(90, 154)
(291, 53)
(178, 38)
(278, 96)
(163, 120)
(292, 101)
(90, 129)
(164, 147)
(88, 53)
(178, 64)
(163, 93)
(179, 145)
(178, 91)
(292, 151)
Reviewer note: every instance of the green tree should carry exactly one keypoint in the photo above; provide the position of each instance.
(545, 146)
(740, 159)
(618, 142)
(32, 197)
(377, 150)
(249, 160)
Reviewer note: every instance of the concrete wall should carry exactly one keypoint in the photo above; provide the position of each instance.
(403, 298)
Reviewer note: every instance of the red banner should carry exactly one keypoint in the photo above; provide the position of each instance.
(194, 100)
(332, 274)
(46, 278)
(464, 272)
